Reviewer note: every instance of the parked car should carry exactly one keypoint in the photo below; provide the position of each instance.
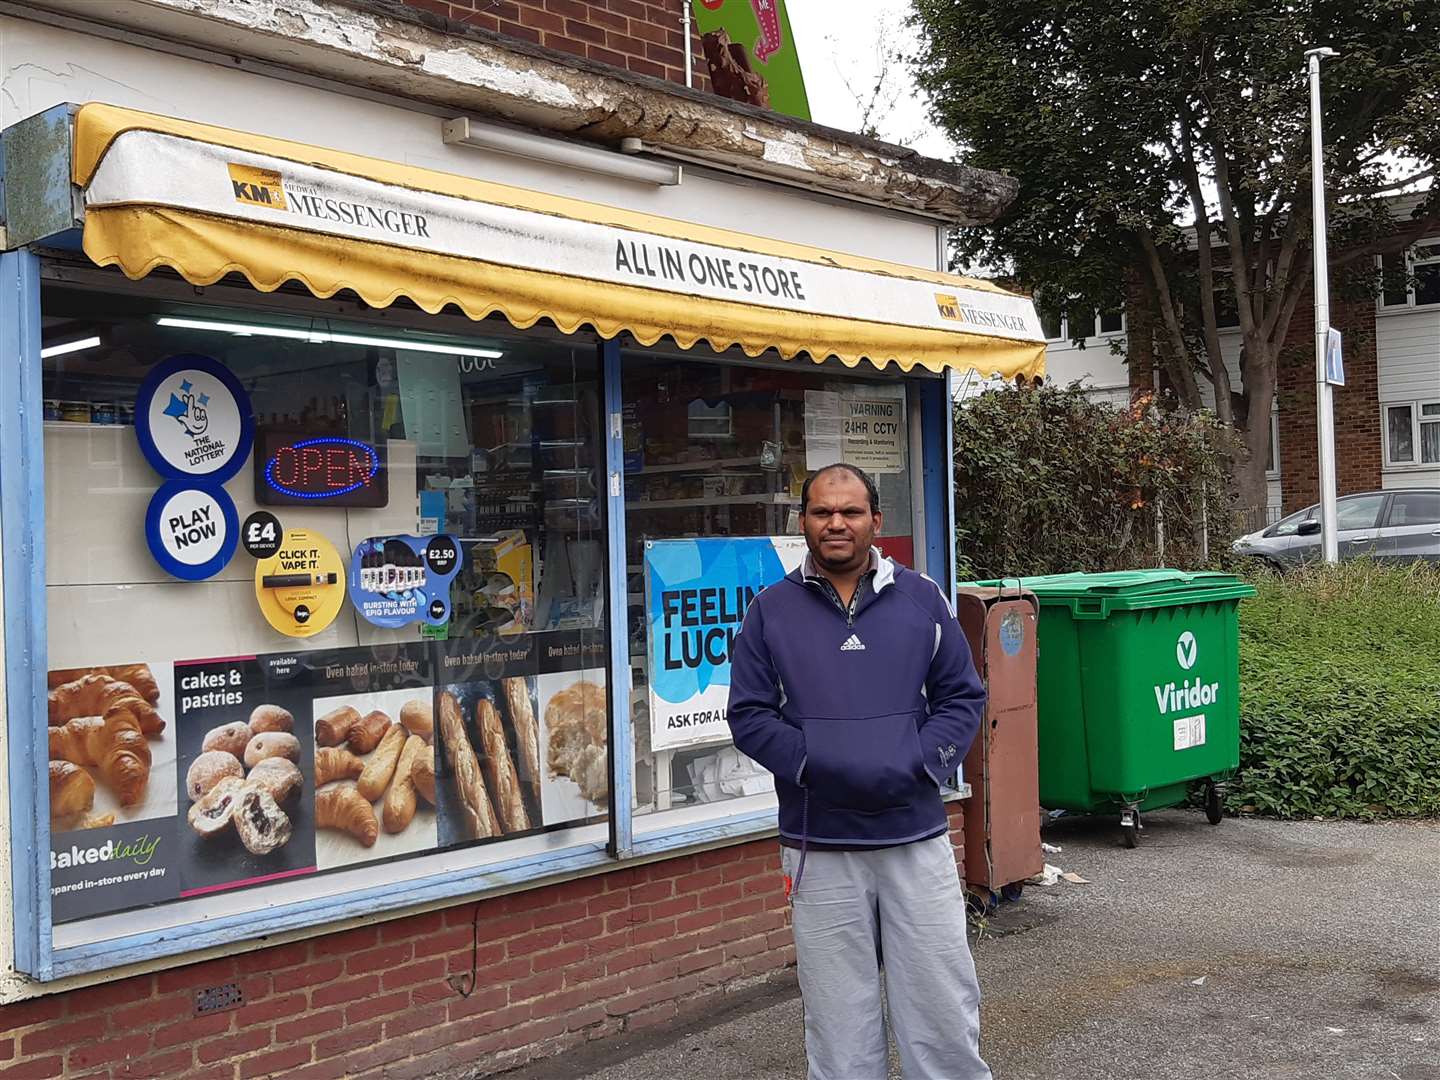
(1401, 526)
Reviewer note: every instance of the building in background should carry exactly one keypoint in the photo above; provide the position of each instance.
(1387, 416)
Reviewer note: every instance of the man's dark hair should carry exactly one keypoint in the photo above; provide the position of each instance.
(859, 474)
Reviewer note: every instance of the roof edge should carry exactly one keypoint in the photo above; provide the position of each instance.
(399, 50)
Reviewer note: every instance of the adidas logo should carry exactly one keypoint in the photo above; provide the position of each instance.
(853, 644)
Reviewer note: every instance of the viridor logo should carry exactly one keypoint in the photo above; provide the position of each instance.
(1187, 651)
(1188, 695)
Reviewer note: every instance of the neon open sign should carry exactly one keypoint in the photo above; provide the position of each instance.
(333, 470)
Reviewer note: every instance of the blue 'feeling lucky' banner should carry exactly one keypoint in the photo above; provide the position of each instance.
(696, 595)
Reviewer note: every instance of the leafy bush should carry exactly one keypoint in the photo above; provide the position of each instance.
(1340, 693)
(1049, 481)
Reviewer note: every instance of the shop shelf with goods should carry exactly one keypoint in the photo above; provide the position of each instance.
(708, 452)
(532, 504)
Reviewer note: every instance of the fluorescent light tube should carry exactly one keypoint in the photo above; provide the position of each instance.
(321, 337)
(463, 131)
(69, 347)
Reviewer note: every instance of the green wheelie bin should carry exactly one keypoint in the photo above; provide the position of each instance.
(1139, 695)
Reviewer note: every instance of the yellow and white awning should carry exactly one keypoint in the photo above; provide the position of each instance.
(208, 201)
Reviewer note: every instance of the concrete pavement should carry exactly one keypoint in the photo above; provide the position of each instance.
(1257, 950)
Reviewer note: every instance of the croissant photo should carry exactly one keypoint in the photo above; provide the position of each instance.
(108, 737)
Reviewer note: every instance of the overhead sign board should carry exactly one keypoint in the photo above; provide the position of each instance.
(751, 53)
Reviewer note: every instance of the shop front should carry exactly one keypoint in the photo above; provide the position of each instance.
(375, 537)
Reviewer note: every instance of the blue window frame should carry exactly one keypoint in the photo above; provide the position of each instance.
(22, 531)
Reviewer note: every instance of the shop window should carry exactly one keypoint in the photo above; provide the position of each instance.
(1408, 424)
(410, 664)
(710, 519)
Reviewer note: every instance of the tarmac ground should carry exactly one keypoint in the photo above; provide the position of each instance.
(1255, 950)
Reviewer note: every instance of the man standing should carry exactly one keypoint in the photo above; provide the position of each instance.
(851, 681)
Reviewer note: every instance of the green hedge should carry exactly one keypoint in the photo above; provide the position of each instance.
(1340, 694)
(1048, 481)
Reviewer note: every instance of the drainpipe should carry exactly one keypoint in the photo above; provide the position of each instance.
(689, 65)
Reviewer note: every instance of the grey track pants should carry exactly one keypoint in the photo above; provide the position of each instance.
(905, 905)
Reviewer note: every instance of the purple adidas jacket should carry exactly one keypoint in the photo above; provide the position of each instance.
(861, 716)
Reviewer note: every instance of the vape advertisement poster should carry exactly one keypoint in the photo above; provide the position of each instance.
(399, 580)
(696, 596)
(301, 588)
(113, 841)
(524, 734)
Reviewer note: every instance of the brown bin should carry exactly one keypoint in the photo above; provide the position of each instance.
(1002, 815)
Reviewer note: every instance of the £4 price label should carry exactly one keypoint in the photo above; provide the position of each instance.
(261, 534)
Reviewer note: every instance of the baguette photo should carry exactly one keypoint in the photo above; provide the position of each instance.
(499, 768)
(476, 812)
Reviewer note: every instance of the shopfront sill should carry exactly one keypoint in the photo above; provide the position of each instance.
(324, 915)
(243, 931)
(752, 825)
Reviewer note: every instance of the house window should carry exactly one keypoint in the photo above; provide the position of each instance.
(1412, 433)
(1051, 321)
(1227, 312)
(1427, 274)
(1077, 322)
(1410, 279)
(1272, 462)
(1394, 286)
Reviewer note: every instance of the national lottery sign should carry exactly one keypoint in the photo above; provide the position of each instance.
(696, 595)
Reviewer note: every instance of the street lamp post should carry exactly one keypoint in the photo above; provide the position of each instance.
(1324, 391)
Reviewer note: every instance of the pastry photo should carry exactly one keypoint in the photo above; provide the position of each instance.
(573, 736)
(244, 774)
(372, 752)
(112, 745)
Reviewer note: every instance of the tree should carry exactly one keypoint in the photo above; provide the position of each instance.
(1166, 143)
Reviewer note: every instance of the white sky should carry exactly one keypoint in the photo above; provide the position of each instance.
(843, 41)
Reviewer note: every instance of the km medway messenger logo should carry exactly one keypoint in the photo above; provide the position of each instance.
(1187, 651)
(257, 187)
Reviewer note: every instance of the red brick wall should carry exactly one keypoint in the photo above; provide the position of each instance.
(558, 966)
(642, 36)
(1358, 451)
